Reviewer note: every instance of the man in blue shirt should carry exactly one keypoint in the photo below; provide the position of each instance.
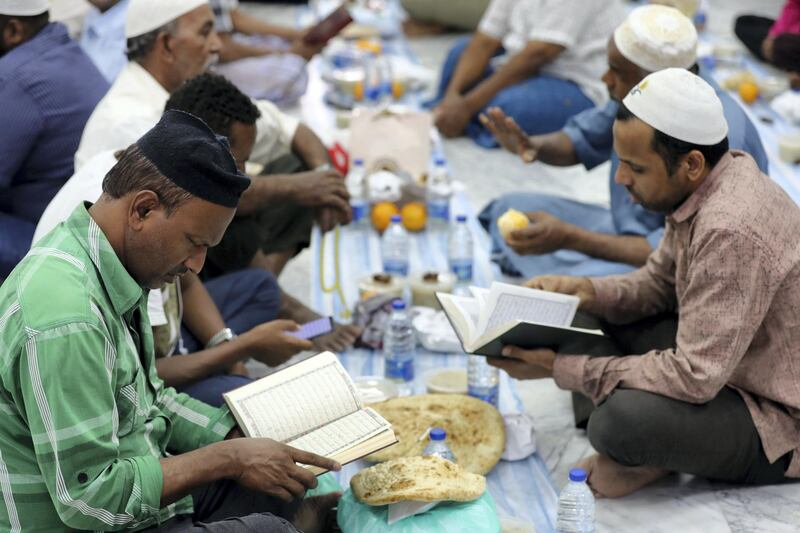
(103, 36)
(568, 237)
(48, 89)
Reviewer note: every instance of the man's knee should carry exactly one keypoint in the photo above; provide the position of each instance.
(623, 425)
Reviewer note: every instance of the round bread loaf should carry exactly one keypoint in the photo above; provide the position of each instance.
(420, 479)
(475, 429)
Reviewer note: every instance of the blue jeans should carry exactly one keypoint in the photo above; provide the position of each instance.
(245, 299)
(16, 235)
(566, 262)
(541, 104)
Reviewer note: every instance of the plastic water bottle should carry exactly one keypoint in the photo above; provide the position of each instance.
(437, 446)
(438, 195)
(373, 83)
(355, 183)
(576, 505)
(399, 345)
(459, 250)
(483, 381)
(394, 247)
(384, 67)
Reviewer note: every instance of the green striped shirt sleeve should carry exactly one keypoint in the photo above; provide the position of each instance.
(70, 400)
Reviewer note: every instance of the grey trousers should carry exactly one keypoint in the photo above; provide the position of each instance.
(226, 507)
(716, 440)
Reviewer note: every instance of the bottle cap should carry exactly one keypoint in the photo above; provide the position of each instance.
(398, 305)
(577, 474)
(396, 218)
(438, 434)
(461, 218)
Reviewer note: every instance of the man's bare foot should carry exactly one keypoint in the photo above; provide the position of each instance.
(314, 513)
(340, 339)
(608, 479)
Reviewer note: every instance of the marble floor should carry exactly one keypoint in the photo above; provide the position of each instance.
(679, 503)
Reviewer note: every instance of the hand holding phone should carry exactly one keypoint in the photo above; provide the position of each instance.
(313, 329)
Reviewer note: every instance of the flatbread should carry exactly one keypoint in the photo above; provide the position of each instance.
(475, 430)
(419, 479)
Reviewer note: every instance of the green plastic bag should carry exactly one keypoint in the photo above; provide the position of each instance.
(326, 483)
(479, 516)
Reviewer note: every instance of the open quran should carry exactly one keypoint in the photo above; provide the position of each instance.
(313, 406)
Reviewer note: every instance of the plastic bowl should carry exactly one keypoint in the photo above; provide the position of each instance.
(446, 381)
(374, 389)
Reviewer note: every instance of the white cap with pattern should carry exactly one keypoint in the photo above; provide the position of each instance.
(679, 104)
(23, 8)
(656, 37)
(145, 16)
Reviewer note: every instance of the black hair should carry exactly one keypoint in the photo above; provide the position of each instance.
(34, 23)
(139, 47)
(134, 172)
(786, 52)
(671, 149)
(216, 100)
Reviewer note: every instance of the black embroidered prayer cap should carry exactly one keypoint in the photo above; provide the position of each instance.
(189, 154)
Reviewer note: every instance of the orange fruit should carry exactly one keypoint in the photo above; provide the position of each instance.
(398, 89)
(358, 91)
(748, 91)
(414, 216)
(382, 214)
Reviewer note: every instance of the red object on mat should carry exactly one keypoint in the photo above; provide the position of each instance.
(340, 159)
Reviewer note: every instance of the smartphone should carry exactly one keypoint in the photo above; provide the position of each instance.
(313, 329)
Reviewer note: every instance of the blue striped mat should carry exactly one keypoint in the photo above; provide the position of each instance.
(521, 489)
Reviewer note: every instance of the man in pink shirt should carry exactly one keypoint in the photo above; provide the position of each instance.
(720, 398)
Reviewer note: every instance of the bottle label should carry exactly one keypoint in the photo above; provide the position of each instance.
(462, 269)
(400, 369)
(359, 211)
(439, 210)
(398, 268)
(487, 394)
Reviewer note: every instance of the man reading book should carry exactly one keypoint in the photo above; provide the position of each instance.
(723, 401)
(90, 438)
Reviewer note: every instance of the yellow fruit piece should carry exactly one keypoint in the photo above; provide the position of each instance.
(414, 216)
(398, 89)
(511, 220)
(358, 91)
(382, 214)
(748, 91)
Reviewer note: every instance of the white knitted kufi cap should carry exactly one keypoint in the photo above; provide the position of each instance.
(23, 8)
(656, 37)
(145, 16)
(679, 104)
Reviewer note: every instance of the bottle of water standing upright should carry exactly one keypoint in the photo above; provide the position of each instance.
(575, 505)
(395, 247)
(483, 381)
(384, 66)
(460, 254)
(437, 446)
(373, 83)
(438, 194)
(355, 183)
(399, 345)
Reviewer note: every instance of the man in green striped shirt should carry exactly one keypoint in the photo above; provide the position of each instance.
(89, 436)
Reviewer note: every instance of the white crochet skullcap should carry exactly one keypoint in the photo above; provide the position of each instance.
(145, 16)
(23, 8)
(656, 37)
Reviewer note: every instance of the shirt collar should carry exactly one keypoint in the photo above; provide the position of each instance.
(109, 23)
(146, 86)
(122, 289)
(51, 36)
(692, 204)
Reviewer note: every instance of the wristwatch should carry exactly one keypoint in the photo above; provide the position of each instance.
(223, 335)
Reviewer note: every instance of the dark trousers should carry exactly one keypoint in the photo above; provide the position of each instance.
(225, 507)
(245, 299)
(752, 30)
(716, 440)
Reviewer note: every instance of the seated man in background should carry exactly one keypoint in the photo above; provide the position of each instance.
(264, 60)
(552, 59)
(94, 439)
(48, 89)
(103, 36)
(568, 237)
(169, 44)
(195, 326)
(717, 397)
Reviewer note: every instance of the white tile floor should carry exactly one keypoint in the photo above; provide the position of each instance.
(679, 504)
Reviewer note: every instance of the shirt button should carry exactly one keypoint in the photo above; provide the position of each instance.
(82, 477)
